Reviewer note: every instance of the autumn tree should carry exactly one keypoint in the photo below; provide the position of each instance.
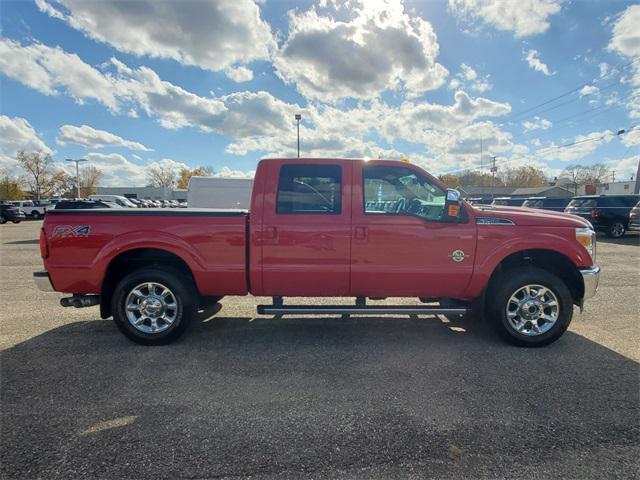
(89, 178)
(185, 174)
(162, 175)
(42, 178)
(11, 186)
(451, 181)
(471, 178)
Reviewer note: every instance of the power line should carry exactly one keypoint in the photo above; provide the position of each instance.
(573, 90)
(546, 150)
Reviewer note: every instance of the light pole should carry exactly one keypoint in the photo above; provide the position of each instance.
(77, 173)
(298, 117)
(494, 169)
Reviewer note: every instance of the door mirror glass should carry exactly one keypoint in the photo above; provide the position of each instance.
(452, 205)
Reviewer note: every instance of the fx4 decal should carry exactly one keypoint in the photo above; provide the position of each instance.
(66, 231)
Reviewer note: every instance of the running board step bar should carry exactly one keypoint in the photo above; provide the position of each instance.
(356, 310)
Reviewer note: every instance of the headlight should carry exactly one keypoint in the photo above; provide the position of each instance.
(587, 238)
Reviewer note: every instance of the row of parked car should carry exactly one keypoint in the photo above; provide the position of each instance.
(611, 214)
(16, 211)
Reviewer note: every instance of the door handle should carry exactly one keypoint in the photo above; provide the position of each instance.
(360, 233)
(270, 233)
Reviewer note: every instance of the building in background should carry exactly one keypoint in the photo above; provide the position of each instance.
(212, 192)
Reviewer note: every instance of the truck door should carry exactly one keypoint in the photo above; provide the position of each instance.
(306, 229)
(400, 245)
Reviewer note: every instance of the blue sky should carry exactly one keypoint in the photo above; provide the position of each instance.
(129, 84)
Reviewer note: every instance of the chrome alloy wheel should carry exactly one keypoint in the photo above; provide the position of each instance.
(532, 310)
(151, 307)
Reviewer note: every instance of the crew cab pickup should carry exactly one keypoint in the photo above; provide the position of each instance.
(326, 228)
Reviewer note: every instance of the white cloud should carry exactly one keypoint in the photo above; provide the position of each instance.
(625, 41)
(17, 134)
(585, 145)
(52, 71)
(625, 168)
(378, 47)
(227, 172)
(239, 74)
(626, 34)
(589, 90)
(257, 121)
(89, 137)
(537, 124)
(522, 17)
(533, 60)
(469, 77)
(213, 34)
(631, 138)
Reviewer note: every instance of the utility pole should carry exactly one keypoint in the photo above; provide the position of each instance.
(298, 117)
(77, 173)
(613, 176)
(494, 169)
(481, 171)
(636, 190)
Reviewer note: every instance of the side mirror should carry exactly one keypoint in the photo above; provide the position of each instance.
(451, 205)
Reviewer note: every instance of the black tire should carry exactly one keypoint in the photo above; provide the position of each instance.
(616, 230)
(2, 220)
(510, 282)
(181, 287)
(35, 215)
(16, 221)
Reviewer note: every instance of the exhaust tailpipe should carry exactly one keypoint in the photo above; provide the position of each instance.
(80, 301)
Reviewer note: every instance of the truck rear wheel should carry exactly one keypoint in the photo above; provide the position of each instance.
(154, 306)
(530, 307)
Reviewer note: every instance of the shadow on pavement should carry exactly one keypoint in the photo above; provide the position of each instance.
(321, 397)
(629, 239)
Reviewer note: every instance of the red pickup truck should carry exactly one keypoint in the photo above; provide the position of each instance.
(326, 228)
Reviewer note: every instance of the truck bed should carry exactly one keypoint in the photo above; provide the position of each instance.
(211, 242)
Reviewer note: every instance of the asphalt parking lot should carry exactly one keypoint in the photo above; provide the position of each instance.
(316, 397)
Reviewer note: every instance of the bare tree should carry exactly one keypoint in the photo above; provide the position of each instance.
(163, 176)
(42, 179)
(597, 173)
(524, 176)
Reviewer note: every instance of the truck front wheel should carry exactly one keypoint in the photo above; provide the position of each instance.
(153, 306)
(531, 307)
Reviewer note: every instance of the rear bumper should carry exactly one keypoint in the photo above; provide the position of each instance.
(43, 282)
(634, 225)
(590, 276)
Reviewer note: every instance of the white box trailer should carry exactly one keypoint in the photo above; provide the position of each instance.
(214, 192)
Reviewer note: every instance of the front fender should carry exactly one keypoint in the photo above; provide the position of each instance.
(496, 245)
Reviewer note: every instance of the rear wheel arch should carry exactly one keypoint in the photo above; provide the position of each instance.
(134, 259)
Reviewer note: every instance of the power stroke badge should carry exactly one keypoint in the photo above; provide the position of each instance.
(457, 256)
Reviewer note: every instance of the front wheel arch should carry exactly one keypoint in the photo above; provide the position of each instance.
(549, 260)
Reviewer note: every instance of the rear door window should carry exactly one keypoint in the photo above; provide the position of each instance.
(310, 189)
